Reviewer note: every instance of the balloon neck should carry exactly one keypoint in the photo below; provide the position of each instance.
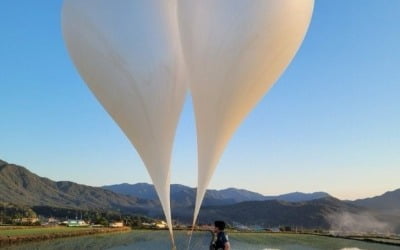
(173, 246)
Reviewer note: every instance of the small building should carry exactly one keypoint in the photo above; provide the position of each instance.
(52, 221)
(161, 225)
(26, 220)
(64, 223)
(274, 229)
(77, 223)
(117, 224)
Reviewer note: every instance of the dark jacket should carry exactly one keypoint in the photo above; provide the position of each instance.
(218, 243)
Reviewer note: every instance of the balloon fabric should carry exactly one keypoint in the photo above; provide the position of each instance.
(129, 54)
(234, 50)
(140, 57)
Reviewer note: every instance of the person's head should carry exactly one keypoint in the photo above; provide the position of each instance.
(219, 225)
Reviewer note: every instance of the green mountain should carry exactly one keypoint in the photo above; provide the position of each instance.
(20, 186)
(389, 201)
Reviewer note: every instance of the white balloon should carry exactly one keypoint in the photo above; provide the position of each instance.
(130, 56)
(234, 51)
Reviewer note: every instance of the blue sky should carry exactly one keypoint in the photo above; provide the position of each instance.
(331, 123)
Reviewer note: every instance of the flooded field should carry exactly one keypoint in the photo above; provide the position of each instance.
(159, 240)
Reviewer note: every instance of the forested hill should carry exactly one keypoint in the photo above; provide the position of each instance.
(22, 187)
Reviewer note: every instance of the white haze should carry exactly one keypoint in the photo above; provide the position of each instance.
(351, 223)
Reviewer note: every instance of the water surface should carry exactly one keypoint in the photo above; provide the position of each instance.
(159, 240)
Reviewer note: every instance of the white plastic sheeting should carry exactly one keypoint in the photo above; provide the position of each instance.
(234, 51)
(130, 56)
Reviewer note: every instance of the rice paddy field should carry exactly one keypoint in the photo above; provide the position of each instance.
(16, 235)
(15, 232)
(159, 240)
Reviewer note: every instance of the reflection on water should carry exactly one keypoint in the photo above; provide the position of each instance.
(159, 240)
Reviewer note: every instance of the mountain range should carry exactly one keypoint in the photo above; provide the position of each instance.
(237, 206)
(185, 196)
(389, 202)
(19, 186)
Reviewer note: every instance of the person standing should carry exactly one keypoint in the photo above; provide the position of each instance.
(221, 241)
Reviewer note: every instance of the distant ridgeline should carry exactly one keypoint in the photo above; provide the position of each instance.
(23, 193)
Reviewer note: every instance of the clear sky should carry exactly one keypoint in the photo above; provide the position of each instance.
(331, 123)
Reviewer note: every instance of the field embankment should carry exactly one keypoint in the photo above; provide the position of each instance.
(11, 235)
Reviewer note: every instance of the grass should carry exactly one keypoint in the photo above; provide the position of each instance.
(39, 231)
(27, 234)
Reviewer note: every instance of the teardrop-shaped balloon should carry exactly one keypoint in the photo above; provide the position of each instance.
(234, 51)
(129, 54)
